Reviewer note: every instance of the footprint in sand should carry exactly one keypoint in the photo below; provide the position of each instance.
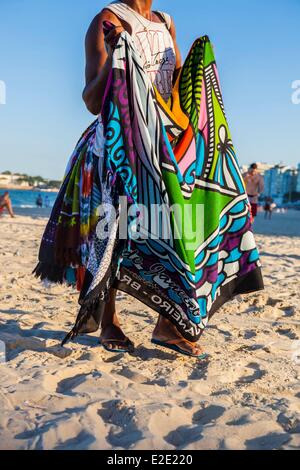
(52, 434)
(117, 412)
(187, 434)
(290, 422)
(208, 414)
(256, 375)
(81, 441)
(200, 372)
(163, 423)
(272, 302)
(123, 431)
(65, 382)
(183, 436)
(240, 421)
(289, 311)
(249, 334)
(270, 441)
(133, 376)
(288, 332)
(68, 385)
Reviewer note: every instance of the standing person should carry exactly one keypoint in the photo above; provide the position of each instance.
(47, 201)
(254, 183)
(162, 61)
(129, 48)
(268, 208)
(39, 201)
(5, 203)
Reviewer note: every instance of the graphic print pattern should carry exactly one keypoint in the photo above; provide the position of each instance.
(158, 154)
(199, 166)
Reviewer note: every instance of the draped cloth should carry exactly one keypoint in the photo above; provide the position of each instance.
(189, 245)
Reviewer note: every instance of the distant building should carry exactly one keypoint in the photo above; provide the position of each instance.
(263, 167)
(19, 181)
(11, 180)
(298, 179)
(279, 181)
(289, 181)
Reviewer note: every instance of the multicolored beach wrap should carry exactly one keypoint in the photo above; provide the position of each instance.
(186, 262)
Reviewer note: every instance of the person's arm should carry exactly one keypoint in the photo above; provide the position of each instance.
(177, 51)
(98, 59)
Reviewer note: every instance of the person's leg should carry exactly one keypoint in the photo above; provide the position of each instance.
(166, 332)
(111, 328)
(254, 210)
(9, 208)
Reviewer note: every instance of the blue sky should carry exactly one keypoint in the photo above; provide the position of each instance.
(257, 47)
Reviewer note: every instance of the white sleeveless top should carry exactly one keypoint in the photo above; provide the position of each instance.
(156, 47)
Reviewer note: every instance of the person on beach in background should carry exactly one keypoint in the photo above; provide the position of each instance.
(254, 183)
(39, 201)
(5, 203)
(47, 202)
(269, 207)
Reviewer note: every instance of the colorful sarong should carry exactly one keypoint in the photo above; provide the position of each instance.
(183, 263)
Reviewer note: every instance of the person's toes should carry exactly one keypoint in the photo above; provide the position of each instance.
(197, 351)
(193, 349)
(119, 346)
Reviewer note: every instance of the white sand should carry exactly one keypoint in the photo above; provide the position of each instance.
(81, 397)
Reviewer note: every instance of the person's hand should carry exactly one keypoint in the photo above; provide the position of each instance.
(111, 37)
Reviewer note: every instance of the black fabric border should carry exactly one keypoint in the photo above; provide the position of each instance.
(249, 283)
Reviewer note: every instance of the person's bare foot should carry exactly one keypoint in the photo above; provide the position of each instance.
(113, 339)
(112, 336)
(167, 333)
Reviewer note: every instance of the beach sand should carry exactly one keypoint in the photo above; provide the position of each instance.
(247, 396)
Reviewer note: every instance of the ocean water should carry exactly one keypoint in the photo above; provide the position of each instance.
(26, 199)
